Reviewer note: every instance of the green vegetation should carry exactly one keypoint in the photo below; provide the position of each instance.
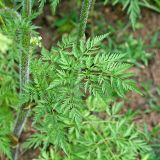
(73, 94)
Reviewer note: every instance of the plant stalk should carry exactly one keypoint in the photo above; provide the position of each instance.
(92, 14)
(83, 19)
(24, 79)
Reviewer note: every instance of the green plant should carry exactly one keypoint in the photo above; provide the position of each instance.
(53, 4)
(136, 51)
(112, 138)
(8, 94)
(152, 95)
(153, 138)
(68, 90)
(133, 7)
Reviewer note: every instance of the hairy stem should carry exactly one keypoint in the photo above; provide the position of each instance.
(27, 5)
(83, 19)
(92, 14)
(24, 79)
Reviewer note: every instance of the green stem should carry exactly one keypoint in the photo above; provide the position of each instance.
(24, 79)
(27, 7)
(2, 5)
(83, 19)
(1, 19)
(92, 14)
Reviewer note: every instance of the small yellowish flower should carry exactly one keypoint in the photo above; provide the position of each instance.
(146, 157)
(36, 41)
(4, 43)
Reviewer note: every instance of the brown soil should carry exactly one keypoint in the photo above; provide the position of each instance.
(151, 22)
